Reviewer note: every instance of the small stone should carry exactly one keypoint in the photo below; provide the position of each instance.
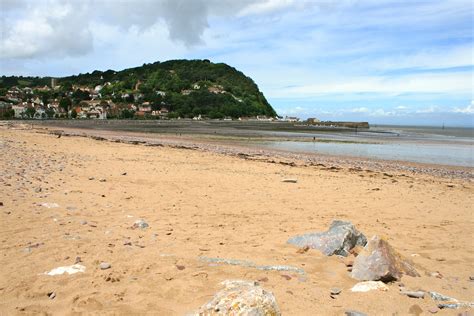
(471, 278)
(38, 190)
(286, 277)
(415, 310)
(140, 224)
(102, 180)
(303, 250)
(91, 178)
(290, 180)
(180, 267)
(83, 222)
(369, 286)
(264, 279)
(51, 295)
(335, 291)
(124, 173)
(105, 266)
(1, 203)
(433, 310)
(413, 294)
(354, 313)
(78, 259)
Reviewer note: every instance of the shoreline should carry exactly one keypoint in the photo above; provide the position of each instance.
(219, 145)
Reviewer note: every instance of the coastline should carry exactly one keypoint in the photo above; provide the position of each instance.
(221, 145)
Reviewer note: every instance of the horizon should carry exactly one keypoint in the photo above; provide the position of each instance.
(384, 62)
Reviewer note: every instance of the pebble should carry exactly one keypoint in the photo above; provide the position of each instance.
(1, 203)
(413, 294)
(51, 295)
(180, 267)
(140, 224)
(433, 310)
(471, 278)
(335, 291)
(290, 180)
(354, 313)
(78, 259)
(105, 266)
(102, 180)
(83, 222)
(91, 178)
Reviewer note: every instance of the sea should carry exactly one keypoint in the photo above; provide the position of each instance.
(452, 146)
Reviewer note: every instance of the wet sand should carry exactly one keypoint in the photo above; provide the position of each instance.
(212, 204)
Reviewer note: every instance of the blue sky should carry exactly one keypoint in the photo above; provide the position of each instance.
(396, 62)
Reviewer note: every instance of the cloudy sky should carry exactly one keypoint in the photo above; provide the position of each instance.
(377, 60)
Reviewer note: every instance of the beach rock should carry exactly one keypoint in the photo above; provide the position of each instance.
(440, 297)
(105, 265)
(338, 240)
(413, 294)
(354, 313)
(379, 261)
(336, 291)
(140, 224)
(369, 286)
(241, 298)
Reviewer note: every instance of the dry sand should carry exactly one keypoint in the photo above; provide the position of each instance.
(203, 204)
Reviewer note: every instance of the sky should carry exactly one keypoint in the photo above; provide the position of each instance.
(383, 61)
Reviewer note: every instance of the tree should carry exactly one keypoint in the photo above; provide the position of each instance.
(73, 113)
(65, 104)
(30, 112)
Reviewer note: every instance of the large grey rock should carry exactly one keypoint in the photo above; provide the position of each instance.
(338, 240)
(379, 261)
(241, 298)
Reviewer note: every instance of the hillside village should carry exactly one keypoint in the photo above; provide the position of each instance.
(170, 90)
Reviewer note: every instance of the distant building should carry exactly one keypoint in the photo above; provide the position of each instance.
(53, 83)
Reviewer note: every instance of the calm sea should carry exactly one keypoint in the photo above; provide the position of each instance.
(434, 145)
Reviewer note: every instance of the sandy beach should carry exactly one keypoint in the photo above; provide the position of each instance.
(69, 197)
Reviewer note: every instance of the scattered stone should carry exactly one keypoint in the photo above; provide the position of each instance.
(38, 190)
(413, 294)
(290, 180)
(250, 264)
(286, 277)
(127, 243)
(264, 279)
(102, 180)
(440, 297)
(335, 291)
(75, 268)
(471, 278)
(241, 298)
(50, 205)
(91, 178)
(83, 222)
(354, 313)
(140, 224)
(105, 265)
(415, 310)
(379, 261)
(1, 203)
(303, 250)
(338, 240)
(456, 305)
(51, 295)
(369, 286)
(433, 310)
(124, 173)
(180, 267)
(78, 260)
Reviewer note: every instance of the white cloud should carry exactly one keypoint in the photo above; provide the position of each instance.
(467, 110)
